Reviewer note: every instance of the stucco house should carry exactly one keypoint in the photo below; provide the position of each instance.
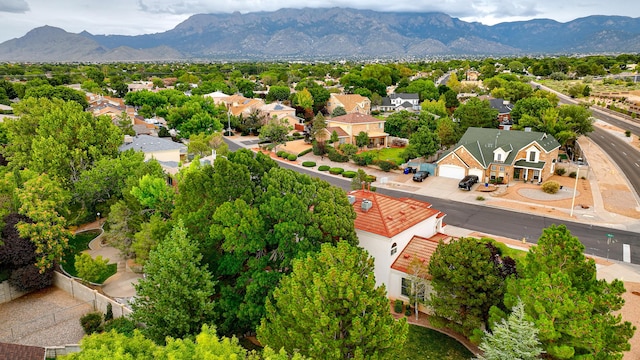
(501, 155)
(394, 231)
(352, 103)
(167, 152)
(352, 124)
(400, 101)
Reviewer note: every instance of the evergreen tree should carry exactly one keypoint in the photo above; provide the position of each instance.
(329, 308)
(514, 338)
(174, 299)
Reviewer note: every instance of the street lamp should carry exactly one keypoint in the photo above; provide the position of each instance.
(575, 187)
(98, 216)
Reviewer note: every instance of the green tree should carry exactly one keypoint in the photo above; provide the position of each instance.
(303, 99)
(90, 269)
(318, 127)
(330, 308)
(278, 93)
(174, 299)
(276, 131)
(154, 194)
(401, 124)
(576, 314)
(476, 113)
(446, 131)
(338, 111)
(423, 142)
(362, 139)
(466, 283)
(532, 106)
(123, 222)
(514, 338)
(44, 202)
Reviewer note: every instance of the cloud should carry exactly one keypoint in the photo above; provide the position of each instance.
(14, 6)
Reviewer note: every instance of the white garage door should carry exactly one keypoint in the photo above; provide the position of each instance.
(451, 171)
(478, 172)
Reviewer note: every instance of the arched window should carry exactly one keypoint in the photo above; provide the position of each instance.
(394, 248)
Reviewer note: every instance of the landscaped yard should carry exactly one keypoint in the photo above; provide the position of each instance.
(77, 244)
(425, 343)
(392, 154)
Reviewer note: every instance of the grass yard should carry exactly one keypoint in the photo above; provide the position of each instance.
(425, 343)
(392, 154)
(77, 244)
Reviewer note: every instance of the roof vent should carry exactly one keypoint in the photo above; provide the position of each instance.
(352, 199)
(128, 139)
(527, 129)
(366, 205)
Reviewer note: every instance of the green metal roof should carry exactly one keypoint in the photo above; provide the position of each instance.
(481, 143)
(526, 164)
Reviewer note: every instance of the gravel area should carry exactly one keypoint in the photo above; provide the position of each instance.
(49, 317)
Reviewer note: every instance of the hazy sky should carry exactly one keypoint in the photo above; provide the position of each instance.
(133, 17)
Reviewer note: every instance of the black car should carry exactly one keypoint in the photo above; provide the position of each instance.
(420, 175)
(467, 182)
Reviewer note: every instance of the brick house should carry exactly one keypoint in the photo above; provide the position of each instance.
(501, 155)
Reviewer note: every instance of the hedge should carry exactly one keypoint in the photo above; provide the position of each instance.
(349, 174)
(292, 157)
(324, 167)
(336, 171)
(305, 152)
(309, 164)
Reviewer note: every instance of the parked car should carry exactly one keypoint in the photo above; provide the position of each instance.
(420, 175)
(467, 182)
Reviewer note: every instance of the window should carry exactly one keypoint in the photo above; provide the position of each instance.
(532, 156)
(394, 248)
(501, 168)
(498, 157)
(406, 287)
(493, 168)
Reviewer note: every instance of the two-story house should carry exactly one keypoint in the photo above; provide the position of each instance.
(394, 231)
(400, 101)
(352, 103)
(501, 156)
(354, 123)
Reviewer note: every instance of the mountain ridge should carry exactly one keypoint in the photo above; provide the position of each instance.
(311, 33)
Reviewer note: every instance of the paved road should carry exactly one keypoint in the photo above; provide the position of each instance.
(518, 225)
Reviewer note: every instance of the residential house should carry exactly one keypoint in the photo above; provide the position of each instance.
(394, 231)
(504, 108)
(352, 103)
(217, 96)
(472, 75)
(501, 155)
(140, 85)
(352, 124)
(400, 101)
(166, 151)
(240, 105)
(21, 352)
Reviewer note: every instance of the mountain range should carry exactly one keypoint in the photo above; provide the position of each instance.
(330, 33)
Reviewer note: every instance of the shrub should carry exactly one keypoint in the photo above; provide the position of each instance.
(91, 323)
(397, 306)
(292, 157)
(309, 164)
(349, 174)
(29, 278)
(122, 325)
(280, 153)
(335, 155)
(560, 171)
(305, 152)
(364, 159)
(318, 148)
(386, 165)
(336, 171)
(573, 174)
(627, 133)
(480, 198)
(90, 269)
(407, 311)
(109, 314)
(550, 187)
(371, 178)
(324, 167)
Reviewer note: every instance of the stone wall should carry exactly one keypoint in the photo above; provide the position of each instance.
(9, 292)
(86, 294)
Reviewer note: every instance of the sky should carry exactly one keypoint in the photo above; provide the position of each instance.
(135, 17)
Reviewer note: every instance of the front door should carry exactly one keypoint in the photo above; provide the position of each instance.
(516, 173)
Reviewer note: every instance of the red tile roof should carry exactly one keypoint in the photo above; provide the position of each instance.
(420, 248)
(338, 130)
(20, 352)
(389, 216)
(356, 118)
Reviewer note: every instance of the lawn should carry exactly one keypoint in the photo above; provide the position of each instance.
(77, 244)
(392, 154)
(425, 343)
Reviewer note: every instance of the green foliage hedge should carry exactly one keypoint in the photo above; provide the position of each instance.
(349, 174)
(305, 152)
(292, 157)
(386, 166)
(397, 306)
(324, 167)
(309, 164)
(336, 171)
(335, 155)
